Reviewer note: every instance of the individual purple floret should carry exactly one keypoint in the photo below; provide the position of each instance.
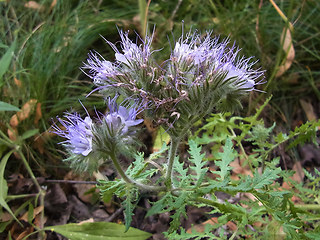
(194, 50)
(78, 133)
(100, 70)
(131, 52)
(120, 117)
(240, 68)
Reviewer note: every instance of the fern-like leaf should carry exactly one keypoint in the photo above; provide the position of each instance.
(129, 204)
(227, 156)
(197, 160)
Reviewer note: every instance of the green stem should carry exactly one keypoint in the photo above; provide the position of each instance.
(242, 149)
(172, 154)
(127, 179)
(13, 197)
(222, 207)
(119, 169)
(175, 141)
(308, 206)
(41, 192)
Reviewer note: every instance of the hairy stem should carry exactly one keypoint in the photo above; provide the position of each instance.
(119, 169)
(172, 154)
(127, 179)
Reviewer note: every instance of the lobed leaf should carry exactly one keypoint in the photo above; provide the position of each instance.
(267, 178)
(227, 156)
(197, 160)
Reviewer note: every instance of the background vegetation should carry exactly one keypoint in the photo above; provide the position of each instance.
(43, 44)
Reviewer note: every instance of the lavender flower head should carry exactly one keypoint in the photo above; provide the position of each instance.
(208, 57)
(202, 74)
(78, 133)
(121, 118)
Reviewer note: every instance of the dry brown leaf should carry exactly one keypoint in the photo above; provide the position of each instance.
(200, 227)
(232, 226)
(286, 186)
(41, 139)
(13, 134)
(38, 114)
(293, 78)
(239, 169)
(24, 113)
(26, 232)
(296, 200)
(5, 216)
(90, 220)
(36, 211)
(286, 39)
(18, 82)
(308, 109)
(53, 4)
(81, 190)
(34, 5)
(26, 110)
(298, 176)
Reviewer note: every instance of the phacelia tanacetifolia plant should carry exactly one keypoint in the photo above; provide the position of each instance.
(201, 75)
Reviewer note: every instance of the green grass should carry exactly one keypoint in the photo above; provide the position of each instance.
(50, 45)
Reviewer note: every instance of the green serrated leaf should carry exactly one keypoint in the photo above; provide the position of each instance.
(197, 160)
(98, 231)
(227, 156)
(182, 178)
(108, 188)
(157, 154)
(129, 204)
(159, 205)
(304, 133)
(267, 178)
(8, 107)
(281, 137)
(313, 235)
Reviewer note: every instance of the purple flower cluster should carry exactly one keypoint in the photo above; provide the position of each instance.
(81, 133)
(201, 74)
(210, 56)
(131, 56)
